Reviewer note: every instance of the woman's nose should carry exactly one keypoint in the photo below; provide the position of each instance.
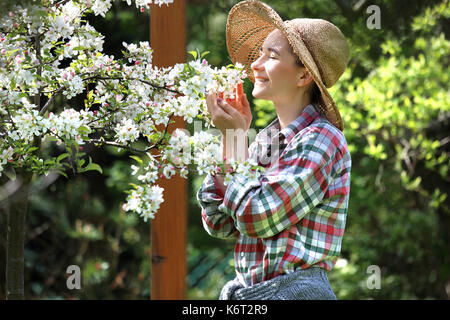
(256, 65)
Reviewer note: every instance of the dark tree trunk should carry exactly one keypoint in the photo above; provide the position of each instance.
(15, 236)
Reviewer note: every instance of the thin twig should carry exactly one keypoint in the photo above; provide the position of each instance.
(118, 145)
(37, 44)
(123, 146)
(57, 4)
(10, 118)
(165, 131)
(405, 155)
(50, 101)
(103, 117)
(123, 78)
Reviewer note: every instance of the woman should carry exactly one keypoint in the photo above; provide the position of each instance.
(289, 225)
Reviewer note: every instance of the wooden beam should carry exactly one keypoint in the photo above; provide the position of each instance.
(168, 240)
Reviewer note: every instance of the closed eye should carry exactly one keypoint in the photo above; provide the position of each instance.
(271, 56)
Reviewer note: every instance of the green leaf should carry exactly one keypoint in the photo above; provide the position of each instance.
(80, 163)
(84, 129)
(13, 84)
(194, 54)
(139, 160)
(93, 167)
(79, 48)
(61, 172)
(61, 157)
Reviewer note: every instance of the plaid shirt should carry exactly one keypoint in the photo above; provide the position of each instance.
(294, 216)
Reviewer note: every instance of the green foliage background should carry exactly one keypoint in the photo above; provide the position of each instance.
(394, 99)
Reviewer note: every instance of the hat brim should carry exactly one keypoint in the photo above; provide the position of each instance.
(248, 25)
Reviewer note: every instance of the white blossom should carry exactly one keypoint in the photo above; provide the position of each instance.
(62, 26)
(5, 156)
(125, 98)
(169, 171)
(126, 131)
(100, 7)
(145, 201)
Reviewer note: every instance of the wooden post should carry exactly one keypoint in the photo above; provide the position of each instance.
(168, 240)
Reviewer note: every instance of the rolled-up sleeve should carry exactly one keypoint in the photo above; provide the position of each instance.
(283, 196)
(216, 222)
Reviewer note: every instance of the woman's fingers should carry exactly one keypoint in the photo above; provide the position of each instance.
(245, 102)
(225, 106)
(213, 101)
(210, 100)
(226, 109)
(214, 107)
(239, 91)
(211, 97)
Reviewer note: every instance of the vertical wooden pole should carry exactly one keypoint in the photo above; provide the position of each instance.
(167, 39)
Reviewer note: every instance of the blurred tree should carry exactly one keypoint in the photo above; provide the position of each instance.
(397, 120)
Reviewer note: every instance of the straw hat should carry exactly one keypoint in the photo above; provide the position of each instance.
(320, 45)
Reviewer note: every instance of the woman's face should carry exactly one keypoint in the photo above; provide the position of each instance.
(276, 71)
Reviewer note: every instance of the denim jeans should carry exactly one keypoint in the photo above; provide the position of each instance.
(306, 284)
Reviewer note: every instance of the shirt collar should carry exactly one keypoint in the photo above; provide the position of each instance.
(308, 115)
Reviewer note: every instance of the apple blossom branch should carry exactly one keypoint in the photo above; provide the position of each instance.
(97, 77)
(62, 2)
(10, 117)
(128, 147)
(37, 44)
(50, 100)
(132, 79)
(38, 77)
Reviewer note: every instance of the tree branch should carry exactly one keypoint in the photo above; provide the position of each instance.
(123, 146)
(50, 101)
(37, 45)
(118, 145)
(121, 78)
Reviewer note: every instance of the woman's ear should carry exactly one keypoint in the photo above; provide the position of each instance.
(305, 78)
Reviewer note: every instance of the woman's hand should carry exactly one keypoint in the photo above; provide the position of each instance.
(230, 114)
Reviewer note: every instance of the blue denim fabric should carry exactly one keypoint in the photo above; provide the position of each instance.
(307, 284)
